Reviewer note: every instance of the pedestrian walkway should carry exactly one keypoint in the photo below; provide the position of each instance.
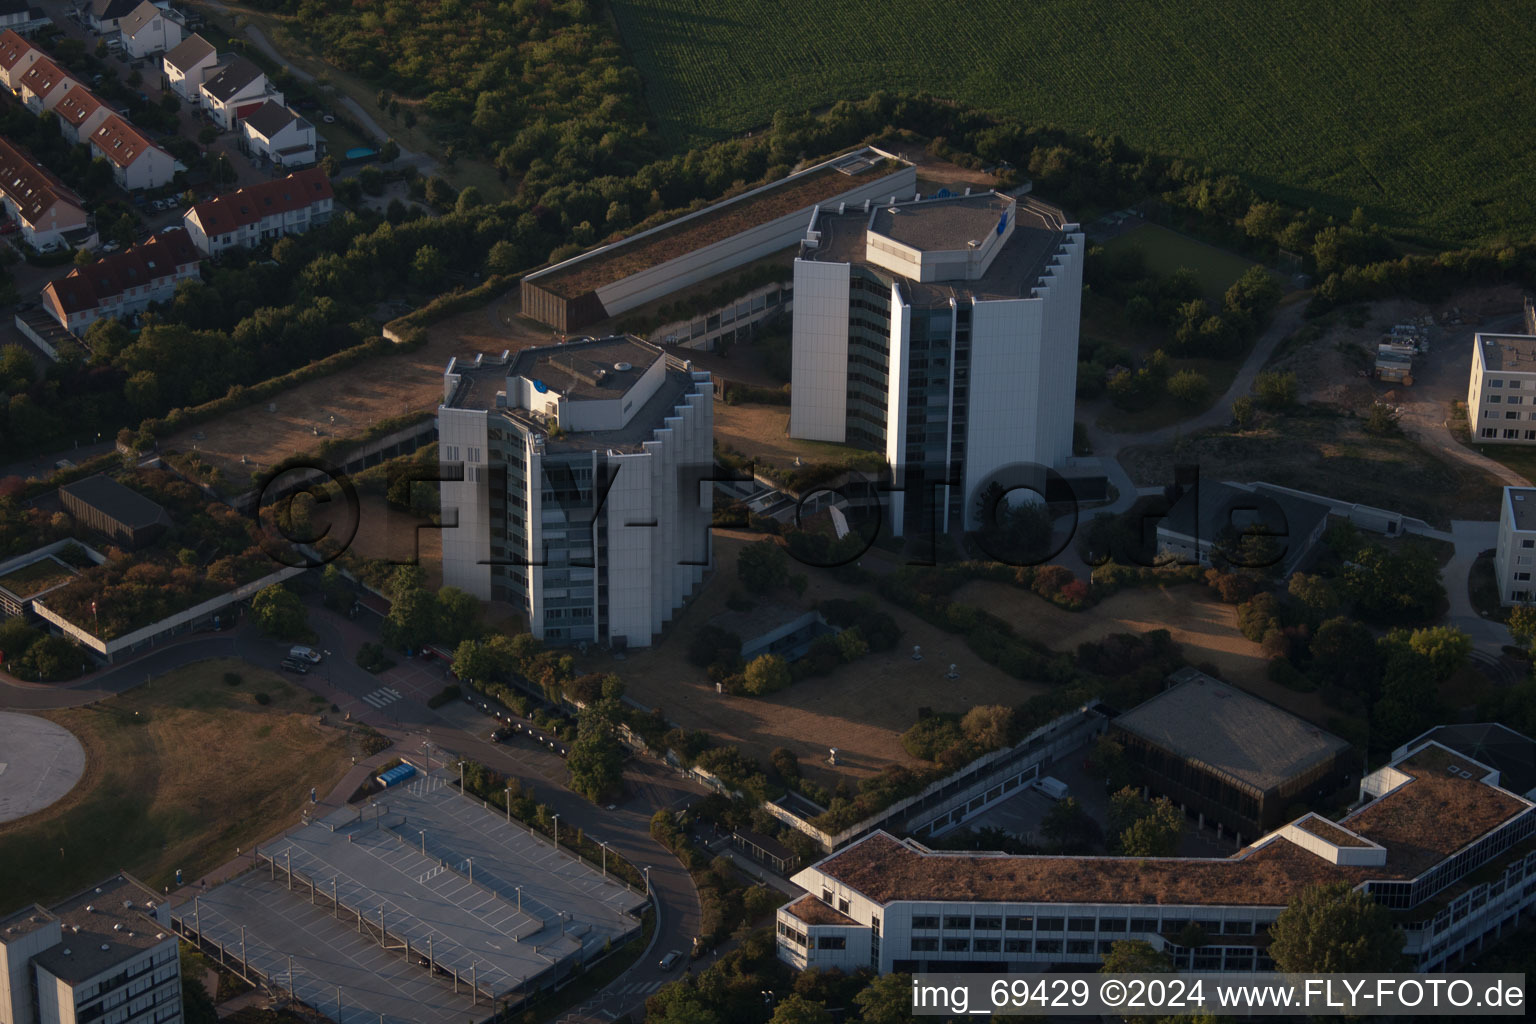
(384, 695)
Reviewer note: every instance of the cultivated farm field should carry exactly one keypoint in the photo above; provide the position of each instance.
(1414, 110)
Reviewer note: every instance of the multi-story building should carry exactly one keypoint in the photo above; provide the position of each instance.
(44, 84)
(580, 500)
(122, 283)
(136, 162)
(1211, 516)
(22, 17)
(942, 332)
(260, 213)
(1501, 395)
(1435, 838)
(103, 15)
(188, 66)
(280, 135)
(148, 30)
(106, 954)
(1515, 554)
(235, 91)
(44, 206)
(16, 57)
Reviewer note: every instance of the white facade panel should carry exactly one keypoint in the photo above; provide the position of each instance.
(819, 363)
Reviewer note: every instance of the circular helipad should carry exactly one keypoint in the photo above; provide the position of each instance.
(40, 762)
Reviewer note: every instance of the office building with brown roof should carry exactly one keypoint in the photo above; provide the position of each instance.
(107, 953)
(1433, 837)
(261, 213)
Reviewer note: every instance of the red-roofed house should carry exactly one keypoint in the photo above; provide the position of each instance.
(42, 204)
(80, 114)
(124, 282)
(44, 84)
(250, 216)
(16, 57)
(136, 162)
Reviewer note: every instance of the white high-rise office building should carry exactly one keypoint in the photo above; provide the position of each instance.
(942, 332)
(580, 502)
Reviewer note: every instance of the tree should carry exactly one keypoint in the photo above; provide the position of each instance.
(1189, 388)
(142, 391)
(280, 613)
(1155, 834)
(796, 1009)
(1135, 956)
(412, 622)
(458, 615)
(427, 266)
(1333, 928)
(1445, 647)
(762, 566)
(389, 152)
(1015, 532)
(596, 759)
(1068, 828)
(502, 259)
(1275, 390)
(106, 337)
(887, 1000)
(1397, 588)
(767, 673)
(1315, 594)
(1380, 419)
(17, 368)
(987, 725)
(1522, 617)
(469, 199)
(851, 643)
(1344, 658)
(1242, 411)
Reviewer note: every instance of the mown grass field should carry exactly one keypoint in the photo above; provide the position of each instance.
(1167, 250)
(178, 775)
(1417, 110)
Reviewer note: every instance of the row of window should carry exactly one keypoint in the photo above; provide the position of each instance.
(1112, 925)
(1498, 382)
(1509, 435)
(1511, 400)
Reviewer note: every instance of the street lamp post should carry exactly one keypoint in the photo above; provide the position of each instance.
(461, 776)
(647, 879)
(423, 833)
(557, 833)
(509, 805)
(605, 857)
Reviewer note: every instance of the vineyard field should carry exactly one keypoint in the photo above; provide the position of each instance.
(1420, 111)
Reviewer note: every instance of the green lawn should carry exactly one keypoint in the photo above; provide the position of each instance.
(1415, 109)
(179, 773)
(1167, 251)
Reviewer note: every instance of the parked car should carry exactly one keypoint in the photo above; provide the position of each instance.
(670, 960)
(308, 654)
(112, 247)
(10, 227)
(295, 666)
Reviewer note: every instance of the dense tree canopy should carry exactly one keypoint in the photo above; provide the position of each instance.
(1332, 928)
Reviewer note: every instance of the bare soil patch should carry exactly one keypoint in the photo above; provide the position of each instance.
(862, 709)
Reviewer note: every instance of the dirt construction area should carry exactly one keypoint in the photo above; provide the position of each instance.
(348, 402)
(1206, 628)
(861, 709)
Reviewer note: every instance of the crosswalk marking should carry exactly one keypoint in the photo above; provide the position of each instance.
(382, 696)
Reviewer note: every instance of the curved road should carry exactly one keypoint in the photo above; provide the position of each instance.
(457, 728)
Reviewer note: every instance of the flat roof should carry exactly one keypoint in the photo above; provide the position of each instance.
(122, 504)
(23, 922)
(1014, 272)
(1209, 722)
(763, 617)
(1435, 813)
(1522, 506)
(37, 577)
(941, 224)
(714, 223)
(103, 926)
(1508, 353)
(588, 369)
(812, 911)
(1327, 830)
(566, 909)
(1498, 746)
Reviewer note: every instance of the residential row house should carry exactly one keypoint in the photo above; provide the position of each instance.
(123, 283)
(136, 162)
(80, 114)
(236, 91)
(260, 213)
(16, 58)
(44, 207)
(148, 30)
(44, 85)
(281, 135)
(188, 66)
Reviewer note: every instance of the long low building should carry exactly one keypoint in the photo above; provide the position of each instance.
(1435, 837)
(261, 213)
(122, 283)
(626, 274)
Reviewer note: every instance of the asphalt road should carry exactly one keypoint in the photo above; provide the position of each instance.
(396, 702)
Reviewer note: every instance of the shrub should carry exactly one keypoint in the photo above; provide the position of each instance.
(232, 679)
(766, 674)
(1231, 587)
(262, 698)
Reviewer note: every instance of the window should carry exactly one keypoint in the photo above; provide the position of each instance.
(925, 945)
(925, 921)
(831, 942)
(989, 924)
(1079, 946)
(1016, 945)
(1495, 399)
(1514, 384)
(1522, 576)
(957, 922)
(1112, 924)
(1237, 928)
(1020, 924)
(1050, 924)
(1530, 435)
(1512, 415)
(842, 905)
(957, 945)
(989, 945)
(1081, 924)
(1514, 400)
(1490, 432)
(1495, 382)
(1144, 924)
(1510, 435)
(826, 896)
(1528, 543)
(1048, 946)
